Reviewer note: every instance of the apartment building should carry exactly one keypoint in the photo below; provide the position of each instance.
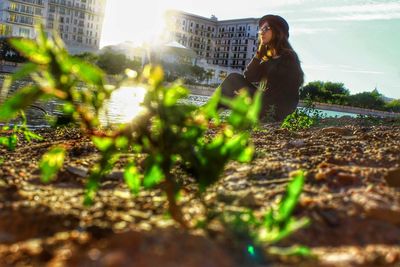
(78, 22)
(227, 43)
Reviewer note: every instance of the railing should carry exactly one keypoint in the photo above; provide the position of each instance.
(208, 91)
(350, 109)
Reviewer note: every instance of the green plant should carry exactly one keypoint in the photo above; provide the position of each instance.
(11, 138)
(275, 225)
(368, 119)
(302, 118)
(166, 134)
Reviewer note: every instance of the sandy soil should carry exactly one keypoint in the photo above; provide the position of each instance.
(351, 195)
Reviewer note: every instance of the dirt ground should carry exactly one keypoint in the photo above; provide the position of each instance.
(351, 196)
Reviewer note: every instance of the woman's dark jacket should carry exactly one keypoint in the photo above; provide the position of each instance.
(283, 77)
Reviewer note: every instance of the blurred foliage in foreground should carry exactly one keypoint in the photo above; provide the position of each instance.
(166, 134)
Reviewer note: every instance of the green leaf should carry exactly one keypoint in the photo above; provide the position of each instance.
(51, 162)
(87, 72)
(246, 154)
(100, 169)
(12, 142)
(31, 50)
(155, 75)
(4, 140)
(92, 184)
(102, 143)
(254, 109)
(31, 135)
(291, 198)
(301, 251)
(132, 178)
(121, 142)
(20, 100)
(239, 106)
(234, 145)
(153, 175)
(277, 233)
(211, 107)
(173, 94)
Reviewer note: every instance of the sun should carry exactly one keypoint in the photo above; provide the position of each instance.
(133, 21)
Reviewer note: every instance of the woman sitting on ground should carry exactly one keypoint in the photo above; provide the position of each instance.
(276, 66)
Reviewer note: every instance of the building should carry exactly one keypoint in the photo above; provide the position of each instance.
(226, 43)
(78, 22)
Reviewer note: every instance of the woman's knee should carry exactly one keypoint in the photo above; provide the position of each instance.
(234, 76)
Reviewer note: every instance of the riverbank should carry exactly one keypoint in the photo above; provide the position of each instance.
(351, 196)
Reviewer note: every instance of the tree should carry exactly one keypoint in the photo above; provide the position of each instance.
(393, 106)
(328, 92)
(89, 57)
(115, 63)
(371, 100)
(198, 73)
(187, 72)
(313, 90)
(209, 75)
(336, 88)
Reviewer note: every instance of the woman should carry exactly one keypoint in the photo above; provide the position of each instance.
(275, 66)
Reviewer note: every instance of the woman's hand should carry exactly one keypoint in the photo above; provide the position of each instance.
(261, 51)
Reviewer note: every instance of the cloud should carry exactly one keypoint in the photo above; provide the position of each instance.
(341, 68)
(363, 71)
(351, 12)
(309, 30)
(355, 17)
(364, 9)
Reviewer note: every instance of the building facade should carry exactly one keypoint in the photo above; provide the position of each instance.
(78, 22)
(226, 43)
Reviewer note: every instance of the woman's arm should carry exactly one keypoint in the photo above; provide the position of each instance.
(254, 70)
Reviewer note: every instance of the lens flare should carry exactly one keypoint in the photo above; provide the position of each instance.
(125, 104)
(251, 250)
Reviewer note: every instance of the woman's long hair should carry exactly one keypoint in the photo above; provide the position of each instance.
(281, 45)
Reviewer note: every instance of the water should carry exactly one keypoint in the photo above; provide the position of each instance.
(200, 100)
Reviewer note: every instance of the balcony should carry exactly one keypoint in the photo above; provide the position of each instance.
(15, 10)
(19, 21)
(31, 2)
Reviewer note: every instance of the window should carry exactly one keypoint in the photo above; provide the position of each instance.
(38, 11)
(23, 32)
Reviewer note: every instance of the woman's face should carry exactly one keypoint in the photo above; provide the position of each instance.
(265, 33)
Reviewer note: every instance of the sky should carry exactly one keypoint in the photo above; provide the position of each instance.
(355, 42)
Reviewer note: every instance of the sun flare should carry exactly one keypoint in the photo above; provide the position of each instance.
(134, 22)
(125, 104)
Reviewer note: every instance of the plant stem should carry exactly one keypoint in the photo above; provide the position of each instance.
(173, 208)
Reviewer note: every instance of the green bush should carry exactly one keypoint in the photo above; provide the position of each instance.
(302, 118)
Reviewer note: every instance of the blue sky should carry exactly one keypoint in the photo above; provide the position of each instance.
(356, 42)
